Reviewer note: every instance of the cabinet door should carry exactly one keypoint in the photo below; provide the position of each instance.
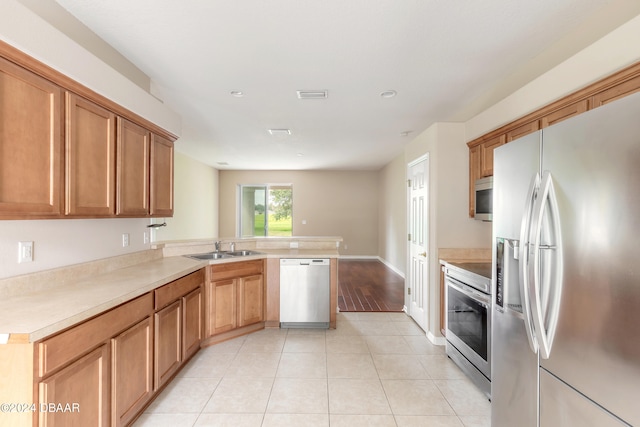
(192, 323)
(85, 386)
(161, 176)
(31, 148)
(250, 300)
(168, 354)
(486, 154)
(475, 172)
(90, 158)
(564, 113)
(133, 145)
(521, 131)
(132, 356)
(222, 305)
(616, 92)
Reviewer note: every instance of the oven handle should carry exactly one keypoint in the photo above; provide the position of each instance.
(479, 297)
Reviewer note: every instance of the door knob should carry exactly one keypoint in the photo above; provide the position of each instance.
(424, 254)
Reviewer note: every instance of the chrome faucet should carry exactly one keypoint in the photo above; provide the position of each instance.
(217, 244)
(233, 246)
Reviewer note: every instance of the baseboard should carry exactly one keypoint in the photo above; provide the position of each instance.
(436, 340)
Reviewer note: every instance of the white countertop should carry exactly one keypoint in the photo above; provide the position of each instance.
(43, 311)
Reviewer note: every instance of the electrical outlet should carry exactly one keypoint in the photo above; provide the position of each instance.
(145, 239)
(125, 240)
(25, 252)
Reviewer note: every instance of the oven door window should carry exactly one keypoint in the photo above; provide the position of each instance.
(467, 319)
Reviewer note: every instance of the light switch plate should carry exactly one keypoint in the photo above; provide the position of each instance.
(25, 252)
(125, 240)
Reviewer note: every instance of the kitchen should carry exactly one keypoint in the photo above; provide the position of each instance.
(444, 141)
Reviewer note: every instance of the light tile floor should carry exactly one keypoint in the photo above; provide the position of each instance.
(373, 370)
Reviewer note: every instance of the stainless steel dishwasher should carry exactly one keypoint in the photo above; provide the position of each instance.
(304, 293)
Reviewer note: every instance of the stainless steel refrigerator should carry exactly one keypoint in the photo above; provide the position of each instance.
(566, 283)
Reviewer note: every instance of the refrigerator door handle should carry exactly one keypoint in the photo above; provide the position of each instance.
(523, 255)
(553, 271)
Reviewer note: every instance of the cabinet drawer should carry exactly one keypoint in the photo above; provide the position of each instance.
(174, 290)
(236, 269)
(58, 350)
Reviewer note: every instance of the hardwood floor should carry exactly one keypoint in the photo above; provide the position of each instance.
(369, 285)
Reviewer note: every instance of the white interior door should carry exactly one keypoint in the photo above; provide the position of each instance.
(418, 268)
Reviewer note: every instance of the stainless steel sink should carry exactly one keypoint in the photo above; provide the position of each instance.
(244, 253)
(223, 254)
(210, 255)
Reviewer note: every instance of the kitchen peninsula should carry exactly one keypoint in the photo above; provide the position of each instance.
(119, 329)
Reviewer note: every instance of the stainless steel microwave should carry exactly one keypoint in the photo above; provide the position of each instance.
(484, 199)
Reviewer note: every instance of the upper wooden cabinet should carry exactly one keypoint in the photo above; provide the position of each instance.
(522, 130)
(68, 152)
(31, 146)
(625, 88)
(144, 172)
(161, 176)
(486, 154)
(134, 144)
(609, 89)
(90, 158)
(564, 113)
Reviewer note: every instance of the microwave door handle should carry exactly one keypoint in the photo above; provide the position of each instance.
(523, 255)
(553, 281)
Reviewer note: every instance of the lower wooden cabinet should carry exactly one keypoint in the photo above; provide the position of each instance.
(223, 305)
(85, 386)
(192, 322)
(250, 300)
(132, 366)
(108, 368)
(178, 324)
(235, 296)
(168, 349)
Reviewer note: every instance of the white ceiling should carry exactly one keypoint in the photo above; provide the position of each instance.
(446, 59)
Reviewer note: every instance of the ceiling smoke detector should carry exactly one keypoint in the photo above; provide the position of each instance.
(312, 94)
(280, 132)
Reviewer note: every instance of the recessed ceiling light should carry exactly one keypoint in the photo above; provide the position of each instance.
(406, 133)
(300, 155)
(277, 132)
(312, 94)
(223, 163)
(237, 93)
(388, 94)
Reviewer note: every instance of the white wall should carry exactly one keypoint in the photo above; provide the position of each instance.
(61, 242)
(333, 203)
(195, 215)
(392, 214)
(28, 32)
(611, 53)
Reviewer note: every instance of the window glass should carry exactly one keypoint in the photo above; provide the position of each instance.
(266, 210)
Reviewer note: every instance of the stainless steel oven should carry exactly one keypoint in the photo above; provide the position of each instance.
(468, 320)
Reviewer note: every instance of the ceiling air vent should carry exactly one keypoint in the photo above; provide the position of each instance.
(313, 94)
